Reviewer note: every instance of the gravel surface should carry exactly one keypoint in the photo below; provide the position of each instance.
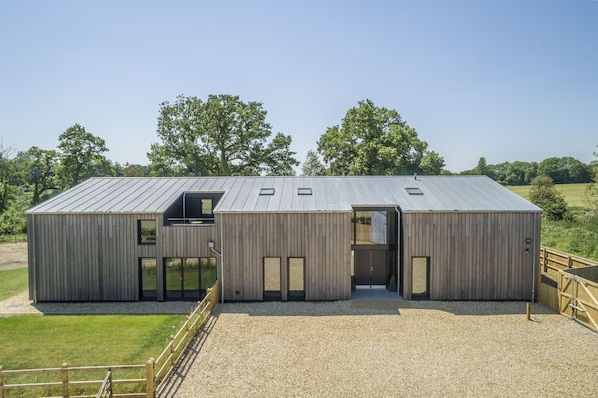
(388, 349)
(20, 305)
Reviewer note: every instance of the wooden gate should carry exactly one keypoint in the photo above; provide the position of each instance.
(578, 295)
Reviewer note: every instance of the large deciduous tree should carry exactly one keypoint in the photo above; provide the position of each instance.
(81, 157)
(220, 136)
(375, 141)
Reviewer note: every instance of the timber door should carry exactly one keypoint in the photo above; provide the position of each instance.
(370, 267)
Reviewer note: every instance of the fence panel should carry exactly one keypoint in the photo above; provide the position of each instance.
(552, 262)
(579, 296)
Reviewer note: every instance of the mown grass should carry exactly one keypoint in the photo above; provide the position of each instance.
(573, 193)
(12, 282)
(33, 341)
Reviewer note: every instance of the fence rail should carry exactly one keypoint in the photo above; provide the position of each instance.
(156, 371)
(66, 386)
(552, 261)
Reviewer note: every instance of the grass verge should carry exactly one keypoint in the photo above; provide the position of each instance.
(31, 341)
(12, 282)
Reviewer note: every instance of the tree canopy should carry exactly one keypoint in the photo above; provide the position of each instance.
(543, 194)
(220, 136)
(374, 140)
(81, 157)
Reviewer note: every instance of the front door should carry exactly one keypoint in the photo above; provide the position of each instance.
(370, 267)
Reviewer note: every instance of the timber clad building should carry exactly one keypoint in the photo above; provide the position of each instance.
(283, 238)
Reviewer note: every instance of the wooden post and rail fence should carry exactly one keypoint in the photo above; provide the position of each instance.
(569, 285)
(148, 381)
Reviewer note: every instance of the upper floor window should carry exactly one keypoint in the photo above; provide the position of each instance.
(146, 232)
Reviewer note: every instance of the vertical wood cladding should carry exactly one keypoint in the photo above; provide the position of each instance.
(323, 239)
(473, 256)
(95, 257)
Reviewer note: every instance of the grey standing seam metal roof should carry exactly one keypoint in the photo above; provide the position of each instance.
(329, 194)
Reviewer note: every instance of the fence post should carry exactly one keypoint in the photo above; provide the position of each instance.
(150, 381)
(65, 379)
(1, 383)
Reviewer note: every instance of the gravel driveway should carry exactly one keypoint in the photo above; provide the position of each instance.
(388, 349)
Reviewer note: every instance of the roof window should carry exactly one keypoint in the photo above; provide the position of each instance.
(304, 191)
(414, 191)
(267, 191)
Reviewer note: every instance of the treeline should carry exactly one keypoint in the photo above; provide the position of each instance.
(565, 170)
(223, 135)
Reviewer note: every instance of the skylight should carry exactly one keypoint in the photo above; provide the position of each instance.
(414, 191)
(267, 191)
(304, 191)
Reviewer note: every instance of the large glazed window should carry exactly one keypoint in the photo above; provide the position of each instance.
(370, 227)
(182, 278)
(146, 232)
(207, 273)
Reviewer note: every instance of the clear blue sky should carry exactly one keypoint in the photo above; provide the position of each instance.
(504, 79)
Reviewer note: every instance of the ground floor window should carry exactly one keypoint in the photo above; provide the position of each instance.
(187, 278)
(296, 274)
(272, 279)
(148, 281)
(420, 277)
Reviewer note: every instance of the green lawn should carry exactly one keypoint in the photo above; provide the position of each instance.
(33, 341)
(573, 193)
(12, 282)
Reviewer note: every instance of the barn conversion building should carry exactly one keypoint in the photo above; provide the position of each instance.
(283, 238)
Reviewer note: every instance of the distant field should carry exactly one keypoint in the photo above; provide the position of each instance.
(573, 193)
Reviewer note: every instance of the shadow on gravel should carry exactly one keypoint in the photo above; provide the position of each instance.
(176, 379)
(478, 307)
(380, 307)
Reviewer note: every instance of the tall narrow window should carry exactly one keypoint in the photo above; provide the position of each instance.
(272, 279)
(148, 282)
(420, 278)
(296, 278)
(146, 232)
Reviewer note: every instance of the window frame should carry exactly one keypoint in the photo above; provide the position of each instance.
(140, 239)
